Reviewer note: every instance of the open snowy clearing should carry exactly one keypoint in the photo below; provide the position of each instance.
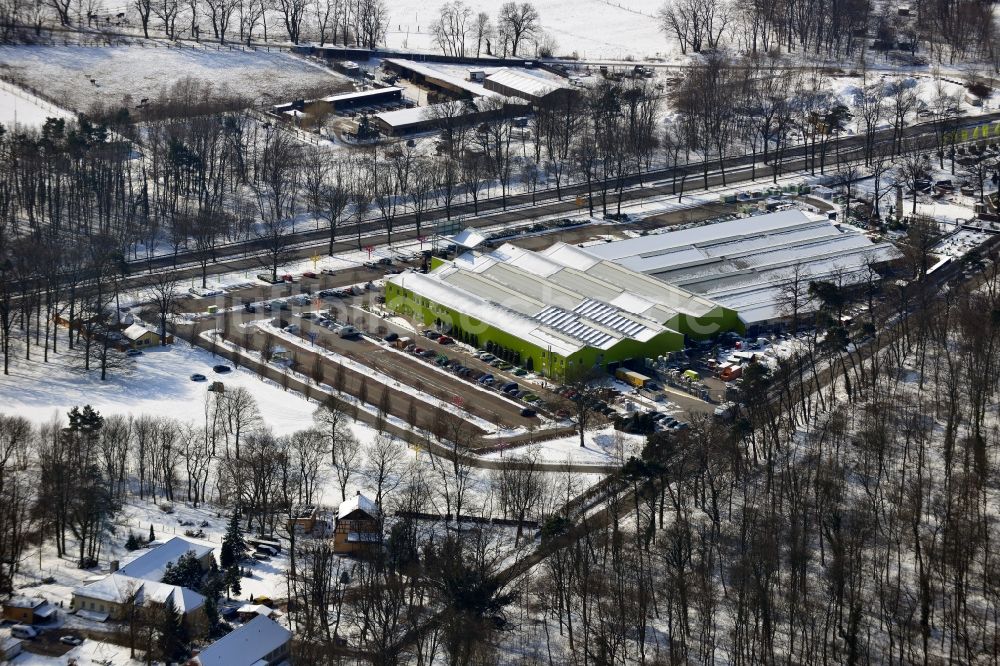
(19, 108)
(624, 28)
(158, 385)
(81, 76)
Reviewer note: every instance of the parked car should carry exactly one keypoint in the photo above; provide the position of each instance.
(528, 412)
(445, 340)
(392, 337)
(249, 307)
(198, 377)
(23, 631)
(348, 332)
(221, 368)
(292, 328)
(428, 353)
(485, 379)
(134, 352)
(509, 387)
(385, 261)
(371, 265)
(310, 274)
(71, 640)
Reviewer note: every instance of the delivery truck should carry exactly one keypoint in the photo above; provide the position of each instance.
(632, 378)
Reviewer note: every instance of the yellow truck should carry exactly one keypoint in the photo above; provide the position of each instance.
(630, 377)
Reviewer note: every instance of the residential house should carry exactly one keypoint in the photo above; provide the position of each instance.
(138, 336)
(139, 582)
(152, 564)
(28, 610)
(109, 598)
(358, 526)
(309, 520)
(248, 612)
(259, 642)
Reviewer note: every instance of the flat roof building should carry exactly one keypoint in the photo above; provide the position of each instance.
(746, 264)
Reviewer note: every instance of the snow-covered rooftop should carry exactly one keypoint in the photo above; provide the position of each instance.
(118, 588)
(359, 501)
(259, 609)
(431, 73)
(562, 299)
(246, 645)
(24, 602)
(135, 331)
(523, 83)
(153, 563)
(468, 238)
(744, 264)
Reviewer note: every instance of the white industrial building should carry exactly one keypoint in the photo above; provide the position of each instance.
(746, 264)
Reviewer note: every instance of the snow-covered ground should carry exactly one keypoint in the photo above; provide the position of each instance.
(20, 108)
(624, 29)
(159, 384)
(80, 76)
(90, 652)
(601, 446)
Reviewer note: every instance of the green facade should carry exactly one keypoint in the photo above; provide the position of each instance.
(719, 320)
(430, 313)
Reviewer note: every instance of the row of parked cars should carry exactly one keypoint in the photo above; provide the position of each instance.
(509, 388)
(664, 421)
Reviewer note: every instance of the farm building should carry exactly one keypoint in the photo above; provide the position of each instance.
(344, 101)
(422, 119)
(525, 85)
(560, 312)
(439, 79)
(746, 264)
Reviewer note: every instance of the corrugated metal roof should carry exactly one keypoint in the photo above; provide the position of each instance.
(744, 264)
(523, 83)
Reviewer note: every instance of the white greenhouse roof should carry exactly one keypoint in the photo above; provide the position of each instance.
(560, 299)
(246, 645)
(745, 264)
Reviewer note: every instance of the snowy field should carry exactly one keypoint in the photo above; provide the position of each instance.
(603, 446)
(624, 29)
(158, 385)
(83, 75)
(20, 108)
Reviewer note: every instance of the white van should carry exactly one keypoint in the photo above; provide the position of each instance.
(23, 631)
